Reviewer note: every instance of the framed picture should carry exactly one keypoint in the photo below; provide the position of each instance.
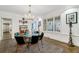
(72, 17)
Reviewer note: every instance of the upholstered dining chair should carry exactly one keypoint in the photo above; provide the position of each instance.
(34, 40)
(20, 42)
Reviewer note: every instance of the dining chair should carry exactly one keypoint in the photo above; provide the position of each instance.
(20, 42)
(34, 40)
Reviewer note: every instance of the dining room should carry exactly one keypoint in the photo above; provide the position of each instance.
(52, 27)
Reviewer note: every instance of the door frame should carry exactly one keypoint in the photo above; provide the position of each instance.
(2, 24)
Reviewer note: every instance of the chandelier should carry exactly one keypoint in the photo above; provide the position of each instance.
(29, 15)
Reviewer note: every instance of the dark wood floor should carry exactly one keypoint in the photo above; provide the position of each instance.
(49, 46)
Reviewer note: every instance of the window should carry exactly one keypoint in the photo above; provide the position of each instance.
(44, 25)
(57, 24)
(50, 24)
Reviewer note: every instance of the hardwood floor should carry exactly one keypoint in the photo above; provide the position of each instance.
(49, 46)
(6, 35)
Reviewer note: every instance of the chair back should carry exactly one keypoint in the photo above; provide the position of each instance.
(41, 36)
(34, 39)
(20, 40)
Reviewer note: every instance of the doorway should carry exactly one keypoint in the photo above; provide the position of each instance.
(7, 28)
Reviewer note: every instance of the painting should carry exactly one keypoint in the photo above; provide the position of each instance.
(72, 17)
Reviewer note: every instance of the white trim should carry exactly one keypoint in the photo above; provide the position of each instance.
(54, 32)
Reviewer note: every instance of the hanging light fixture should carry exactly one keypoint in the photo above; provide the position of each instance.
(29, 15)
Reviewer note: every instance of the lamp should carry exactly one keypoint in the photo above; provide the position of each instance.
(29, 16)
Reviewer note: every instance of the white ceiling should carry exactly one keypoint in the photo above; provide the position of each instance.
(38, 10)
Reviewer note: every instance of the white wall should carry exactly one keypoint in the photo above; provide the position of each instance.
(75, 28)
(63, 35)
(65, 26)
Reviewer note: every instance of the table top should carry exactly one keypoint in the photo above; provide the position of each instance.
(28, 35)
(23, 36)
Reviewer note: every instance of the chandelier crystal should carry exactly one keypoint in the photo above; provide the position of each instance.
(29, 16)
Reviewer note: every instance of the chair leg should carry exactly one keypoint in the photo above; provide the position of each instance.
(17, 48)
(28, 46)
(38, 46)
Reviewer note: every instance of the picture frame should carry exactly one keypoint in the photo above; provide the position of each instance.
(71, 17)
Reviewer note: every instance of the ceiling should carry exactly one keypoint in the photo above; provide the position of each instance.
(38, 10)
